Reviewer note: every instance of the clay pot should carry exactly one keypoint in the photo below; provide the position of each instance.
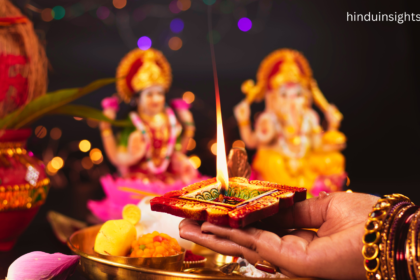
(23, 186)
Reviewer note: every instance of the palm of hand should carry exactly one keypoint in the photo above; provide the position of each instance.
(333, 252)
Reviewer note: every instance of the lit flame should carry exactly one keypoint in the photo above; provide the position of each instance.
(222, 170)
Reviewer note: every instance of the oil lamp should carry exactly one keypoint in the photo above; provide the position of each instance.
(235, 202)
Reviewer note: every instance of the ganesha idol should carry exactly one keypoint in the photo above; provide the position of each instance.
(150, 153)
(292, 146)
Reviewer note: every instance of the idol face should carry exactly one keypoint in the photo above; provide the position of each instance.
(291, 97)
(152, 100)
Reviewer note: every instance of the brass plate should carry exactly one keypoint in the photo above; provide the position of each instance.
(96, 268)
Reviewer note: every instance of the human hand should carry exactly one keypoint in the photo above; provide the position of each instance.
(242, 111)
(333, 252)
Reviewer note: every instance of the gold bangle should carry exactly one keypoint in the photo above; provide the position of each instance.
(410, 247)
(106, 132)
(243, 123)
(376, 235)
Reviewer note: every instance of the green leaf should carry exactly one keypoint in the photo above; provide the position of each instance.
(88, 113)
(47, 103)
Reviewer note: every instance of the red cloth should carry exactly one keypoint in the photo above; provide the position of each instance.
(19, 82)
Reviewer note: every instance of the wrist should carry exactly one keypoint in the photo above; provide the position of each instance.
(387, 242)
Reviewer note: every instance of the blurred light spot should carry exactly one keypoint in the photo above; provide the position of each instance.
(191, 144)
(226, 6)
(210, 143)
(178, 146)
(195, 161)
(209, 2)
(213, 148)
(238, 144)
(175, 43)
(50, 169)
(119, 4)
(144, 43)
(96, 156)
(55, 133)
(177, 25)
(244, 24)
(216, 36)
(58, 12)
(349, 191)
(47, 15)
(92, 123)
(102, 12)
(78, 119)
(87, 163)
(84, 146)
(183, 5)
(173, 7)
(188, 97)
(348, 181)
(40, 131)
(57, 163)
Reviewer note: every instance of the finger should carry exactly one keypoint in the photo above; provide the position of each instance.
(191, 230)
(310, 213)
(288, 252)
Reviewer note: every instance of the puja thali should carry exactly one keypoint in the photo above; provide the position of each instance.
(95, 267)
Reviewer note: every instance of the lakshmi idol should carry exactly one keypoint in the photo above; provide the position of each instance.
(292, 146)
(150, 154)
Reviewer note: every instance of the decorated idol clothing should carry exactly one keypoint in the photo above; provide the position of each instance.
(299, 153)
(150, 153)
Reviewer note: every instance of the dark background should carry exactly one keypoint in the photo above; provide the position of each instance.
(369, 70)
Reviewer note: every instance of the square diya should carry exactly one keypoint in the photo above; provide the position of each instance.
(242, 203)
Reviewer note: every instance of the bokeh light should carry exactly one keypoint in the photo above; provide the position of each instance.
(175, 43)
(188, 97)
(96, 156)
(244, 24)
(58, 12)
(209, 2)
(92, 123)
(84, 146)
(102, 12)
(87, 163)
(177, 25)
(183, 5)
(216, 36)
(119, 4)
(40, 131)
(195, 161)
(47, 15)
(144, 43)
(238, 144)
(55, 133)
(50, 169)
(191, 144)
(78, 119)
(57, 163)
(173, 7)
(213, 148)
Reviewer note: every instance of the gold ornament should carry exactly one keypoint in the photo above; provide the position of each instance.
(140, 69)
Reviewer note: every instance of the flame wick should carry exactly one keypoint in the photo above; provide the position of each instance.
(222, 171)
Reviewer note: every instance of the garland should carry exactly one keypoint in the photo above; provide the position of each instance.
(138, 123)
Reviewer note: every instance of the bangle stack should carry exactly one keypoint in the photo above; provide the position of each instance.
(391, 240)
